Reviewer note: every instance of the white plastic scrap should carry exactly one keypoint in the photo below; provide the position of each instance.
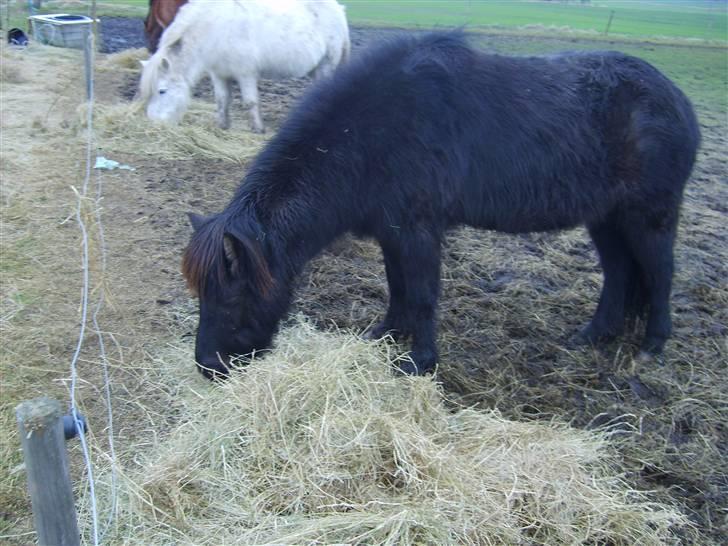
(110, 164)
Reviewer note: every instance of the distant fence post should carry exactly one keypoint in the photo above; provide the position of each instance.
(609, 23)
(49, 483)
(88, 63)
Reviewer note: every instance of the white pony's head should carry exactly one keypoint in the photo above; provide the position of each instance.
(163, 87)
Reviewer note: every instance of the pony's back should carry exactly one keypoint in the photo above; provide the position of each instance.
(332, 17)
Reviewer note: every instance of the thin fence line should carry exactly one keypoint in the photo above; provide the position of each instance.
(104, 358)
(81, 200)
(102, 293)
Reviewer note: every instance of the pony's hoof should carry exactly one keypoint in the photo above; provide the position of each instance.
(417, 364)
(653, 345)
(383, 330)
(580, 339)
(589, 336)
(644, 358)
(651, 351)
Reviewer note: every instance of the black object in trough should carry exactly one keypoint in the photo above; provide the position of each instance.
(67, 17)
(17, 37)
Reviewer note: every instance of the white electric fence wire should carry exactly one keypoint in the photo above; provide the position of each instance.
(100, 336)
(81, 199)
(104, 359)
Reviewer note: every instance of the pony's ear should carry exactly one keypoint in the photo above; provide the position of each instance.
(197, 220)
(233, 249)
(164, 65)
(243, 251)
(175, 47)
(143, 62)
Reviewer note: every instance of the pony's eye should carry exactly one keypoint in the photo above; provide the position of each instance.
(162, 91)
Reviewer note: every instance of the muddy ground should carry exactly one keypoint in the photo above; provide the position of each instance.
(509, 305)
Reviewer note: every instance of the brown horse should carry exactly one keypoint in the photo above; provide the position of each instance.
(161, 14)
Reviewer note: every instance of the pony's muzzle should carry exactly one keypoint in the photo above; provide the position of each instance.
(214, 368)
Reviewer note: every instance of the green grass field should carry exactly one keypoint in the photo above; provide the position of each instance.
(676, 19)
(702, 19)
(702, 72)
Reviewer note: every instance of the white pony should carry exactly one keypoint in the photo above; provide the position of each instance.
(241, 40)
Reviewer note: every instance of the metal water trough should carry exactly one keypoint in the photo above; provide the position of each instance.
(60, 29)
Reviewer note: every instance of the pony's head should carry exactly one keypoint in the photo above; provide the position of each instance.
(240, 302)
(163, 87)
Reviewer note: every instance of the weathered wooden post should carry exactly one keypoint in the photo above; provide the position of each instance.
(49, 483)
(88, 63)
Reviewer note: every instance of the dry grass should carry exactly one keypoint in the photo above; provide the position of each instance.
(129, 59)
(123, 128)
(10, 74)
(319, 443)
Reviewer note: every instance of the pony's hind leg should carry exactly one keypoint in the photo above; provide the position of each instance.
(324, 69)
(635, 298)
(616, 262)
(223, 93)
(651, 245)
(249, 93)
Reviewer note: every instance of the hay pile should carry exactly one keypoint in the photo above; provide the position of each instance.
(320, 443)
(122, 127)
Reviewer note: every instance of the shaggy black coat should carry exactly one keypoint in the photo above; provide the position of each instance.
(423, 134)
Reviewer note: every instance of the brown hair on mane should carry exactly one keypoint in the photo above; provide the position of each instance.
(205, 255)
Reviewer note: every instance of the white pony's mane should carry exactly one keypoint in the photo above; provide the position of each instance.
(172, 34)
(186, 15)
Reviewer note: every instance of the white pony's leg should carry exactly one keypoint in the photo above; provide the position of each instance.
(249, 92)
(222, 100)
(324, 69)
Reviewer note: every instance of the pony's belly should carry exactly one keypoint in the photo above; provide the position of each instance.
(544, 207)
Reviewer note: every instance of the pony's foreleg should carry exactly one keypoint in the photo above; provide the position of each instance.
(324, 69)
(419, 254)
(395, 322)
(223, 93)
(249, 92)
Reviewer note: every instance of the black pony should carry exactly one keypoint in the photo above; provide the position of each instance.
(422, 134)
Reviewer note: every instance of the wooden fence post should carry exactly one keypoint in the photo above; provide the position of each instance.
(609, 23)
(49, 483)
(88, 63)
